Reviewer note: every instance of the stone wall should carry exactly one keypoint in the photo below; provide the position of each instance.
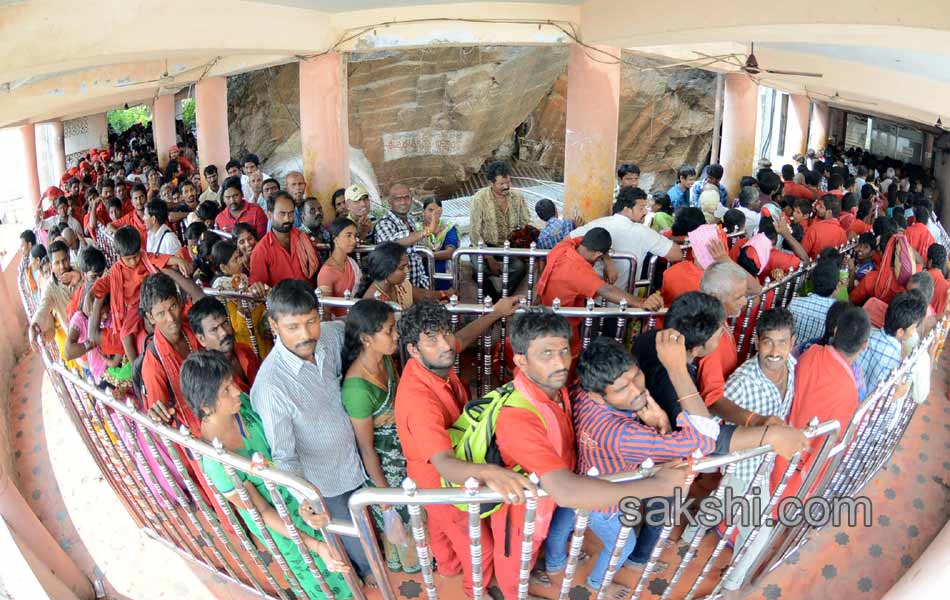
(666, 118)
(431, 117)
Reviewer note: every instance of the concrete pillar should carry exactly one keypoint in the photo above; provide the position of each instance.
(163, 126)
(927, 158)
(796, 128)
(818, 133)
(211, 117)
(737, 155)
(57, 151)
(590, 149)
(32, 189)
(324, 126)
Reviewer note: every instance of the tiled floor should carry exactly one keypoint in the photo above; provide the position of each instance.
(66, 490)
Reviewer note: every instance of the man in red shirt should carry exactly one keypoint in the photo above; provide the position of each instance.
(544, 446)
(860, 224)
(937, 267)
(917, 234)
(569, 275)
(827, 232)
(136, 218)
(239, 210)
(429, 399)
(825, 387)
(796, 190)
(208, 319)
(122, 285)
(284, 252)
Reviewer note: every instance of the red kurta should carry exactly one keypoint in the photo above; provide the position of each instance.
(539, 446)
(123, 284)
(271, 263)
(824, 388)
(679, 279)
(715, 369)
(134, 220)
(941, 286)
(571, 278)
(823, 234)
(426, 406)
(920, 238)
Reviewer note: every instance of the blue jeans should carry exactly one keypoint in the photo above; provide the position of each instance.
(637, 549)
(559, 533)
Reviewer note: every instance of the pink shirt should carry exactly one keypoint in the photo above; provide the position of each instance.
(94, 358)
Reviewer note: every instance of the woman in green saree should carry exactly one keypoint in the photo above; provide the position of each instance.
(369, 395)
(207, 383)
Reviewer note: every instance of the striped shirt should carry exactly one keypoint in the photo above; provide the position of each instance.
(880, 358)
(616, 441)
(308, 430)
(810, 313)
(750, 388)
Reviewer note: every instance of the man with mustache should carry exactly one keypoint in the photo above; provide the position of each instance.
(208, 319)
(497, 211)
(297, 395)
(285, 252)
(541, 442)
(238, 209)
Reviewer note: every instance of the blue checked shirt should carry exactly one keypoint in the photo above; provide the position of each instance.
(555, 231)
(810, 313)
(881, 357)
(392, 228)
(751, 389)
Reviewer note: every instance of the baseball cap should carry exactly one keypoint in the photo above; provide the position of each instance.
(355, 192)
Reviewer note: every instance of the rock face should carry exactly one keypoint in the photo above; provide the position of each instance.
(666, 119)
(264, 113)
(431, 117)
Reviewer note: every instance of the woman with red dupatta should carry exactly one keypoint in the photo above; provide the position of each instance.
(897, 265)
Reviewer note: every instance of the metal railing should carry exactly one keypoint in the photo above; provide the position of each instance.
(147, 465)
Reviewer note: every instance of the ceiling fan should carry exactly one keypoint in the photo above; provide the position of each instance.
(751, 67)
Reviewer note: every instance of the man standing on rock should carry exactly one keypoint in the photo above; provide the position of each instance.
(498, 210)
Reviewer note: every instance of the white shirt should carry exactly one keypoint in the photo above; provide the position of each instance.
(246, 184)
(162, 241)
(628, 237)
(752, 219)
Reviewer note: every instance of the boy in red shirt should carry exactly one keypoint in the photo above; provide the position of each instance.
(917, 234)
(122, 285)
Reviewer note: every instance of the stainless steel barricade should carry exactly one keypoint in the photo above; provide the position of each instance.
(148, 468)
(361, 251)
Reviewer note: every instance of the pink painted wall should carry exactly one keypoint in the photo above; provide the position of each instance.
(163, 126)
(590, 149)
(32, 189)
(324, 136)
(211, 117)
(738, 129)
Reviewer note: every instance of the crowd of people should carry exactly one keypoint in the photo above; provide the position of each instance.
(325, 396)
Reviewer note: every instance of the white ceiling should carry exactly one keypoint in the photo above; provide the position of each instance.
(348, 5)
(930, 65)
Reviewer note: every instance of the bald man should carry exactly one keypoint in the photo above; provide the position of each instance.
(297, 186)
(397, 227)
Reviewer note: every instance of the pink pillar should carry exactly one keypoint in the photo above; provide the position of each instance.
(818, 135)
(163, 126)
(796, 131)
(738, 130)
(58, 154)
(324, 133)
(927, 158)
(593, 111)
(211, 116)
(32, 191)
